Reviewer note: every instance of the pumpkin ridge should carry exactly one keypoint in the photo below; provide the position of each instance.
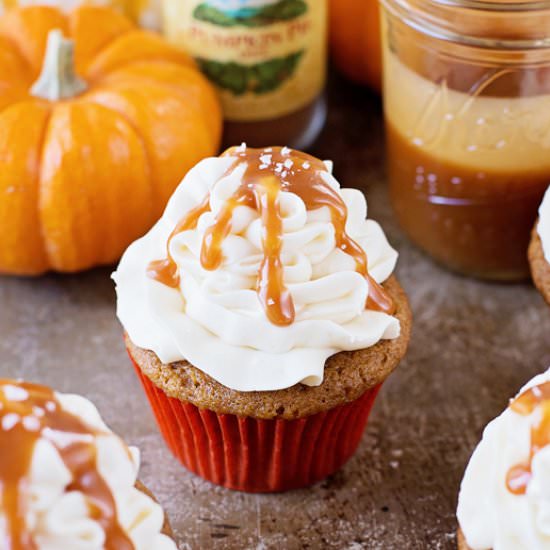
(107, 245)
(40, 148)
(26, 18)
(88, 97)
(100, 51)
(154, 185)
(116, 78)
(15, 46)
(93, 74)
(39, 208)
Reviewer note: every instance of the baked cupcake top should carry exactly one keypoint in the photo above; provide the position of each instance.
(66, 481)
(504, 500)
(543, 227)
(260, 268)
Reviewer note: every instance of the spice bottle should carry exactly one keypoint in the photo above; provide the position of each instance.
(267, 58)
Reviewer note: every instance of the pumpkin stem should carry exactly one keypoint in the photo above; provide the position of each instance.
(58, 79)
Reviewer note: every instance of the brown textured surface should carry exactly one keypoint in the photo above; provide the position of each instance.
(473, 346)
(540, 268)
(347, 376)
(166, 528)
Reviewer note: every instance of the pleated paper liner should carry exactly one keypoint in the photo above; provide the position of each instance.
(255, 455)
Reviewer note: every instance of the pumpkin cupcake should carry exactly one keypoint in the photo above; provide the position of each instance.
(262, 317)
(66, 481)
(539, 249)
(504, 500)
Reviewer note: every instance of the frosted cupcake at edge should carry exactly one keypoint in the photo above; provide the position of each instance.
(504, 501)
(539, 249)
(66, 481)
(263, 294)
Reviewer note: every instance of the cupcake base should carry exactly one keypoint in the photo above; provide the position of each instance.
(540, 268)
(258, 455)
(270, 441)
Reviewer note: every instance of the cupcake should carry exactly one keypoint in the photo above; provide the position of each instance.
(66, 481)
(262, 317)
(539, 249)
(504, 500)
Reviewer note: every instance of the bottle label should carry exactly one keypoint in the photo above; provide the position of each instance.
(266, 57)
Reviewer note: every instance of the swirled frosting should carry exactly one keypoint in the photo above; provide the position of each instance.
(214, 319)
(504, 501)
(543, 226)
(66, 481)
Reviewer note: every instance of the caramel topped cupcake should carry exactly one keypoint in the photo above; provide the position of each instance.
(539, 249)
(263, 292)
(504, 500)
(66, 481)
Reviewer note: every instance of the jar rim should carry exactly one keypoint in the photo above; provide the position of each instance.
(478, 23)
(497, 5)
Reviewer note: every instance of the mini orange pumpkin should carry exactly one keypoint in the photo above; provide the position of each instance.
(88, 162)
(355, 40)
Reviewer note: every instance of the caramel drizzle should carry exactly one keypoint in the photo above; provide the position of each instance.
(518, 476)
(30, 412)
(269, 172)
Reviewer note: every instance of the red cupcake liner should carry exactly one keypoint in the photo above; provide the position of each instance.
(255, 455)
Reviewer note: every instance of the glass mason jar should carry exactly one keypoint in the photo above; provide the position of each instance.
(467, 110)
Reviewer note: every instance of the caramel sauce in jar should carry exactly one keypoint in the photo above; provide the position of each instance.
(474, 221)
(268, 172)
(29, 412)
(538, 397)
(467, 112)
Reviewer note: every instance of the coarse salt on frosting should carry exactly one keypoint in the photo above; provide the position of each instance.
(490, 515)
(58, 518)
(215, 320)
(543, 227)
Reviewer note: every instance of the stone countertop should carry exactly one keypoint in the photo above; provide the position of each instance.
(474, 344)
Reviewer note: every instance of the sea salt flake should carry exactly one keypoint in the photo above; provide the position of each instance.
(285, 151)
(263, 166)
(288, 164)
(14, 393)
(10, 421)
(51, 406)
(241, 148)
(31, 423)
(306, 165)
(39, 412)
(266, 159)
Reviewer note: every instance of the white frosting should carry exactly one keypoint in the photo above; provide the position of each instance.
(57, 518)
(215, 320)
(490, 516)
(543, 227)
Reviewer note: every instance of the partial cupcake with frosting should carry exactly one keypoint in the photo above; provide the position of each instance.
(68, 482)
(504, 500)
(265, 293)
(539, 249)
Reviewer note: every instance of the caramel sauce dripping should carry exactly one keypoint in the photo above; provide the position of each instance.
(30, 412)
(518, 476)
(269, 172)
